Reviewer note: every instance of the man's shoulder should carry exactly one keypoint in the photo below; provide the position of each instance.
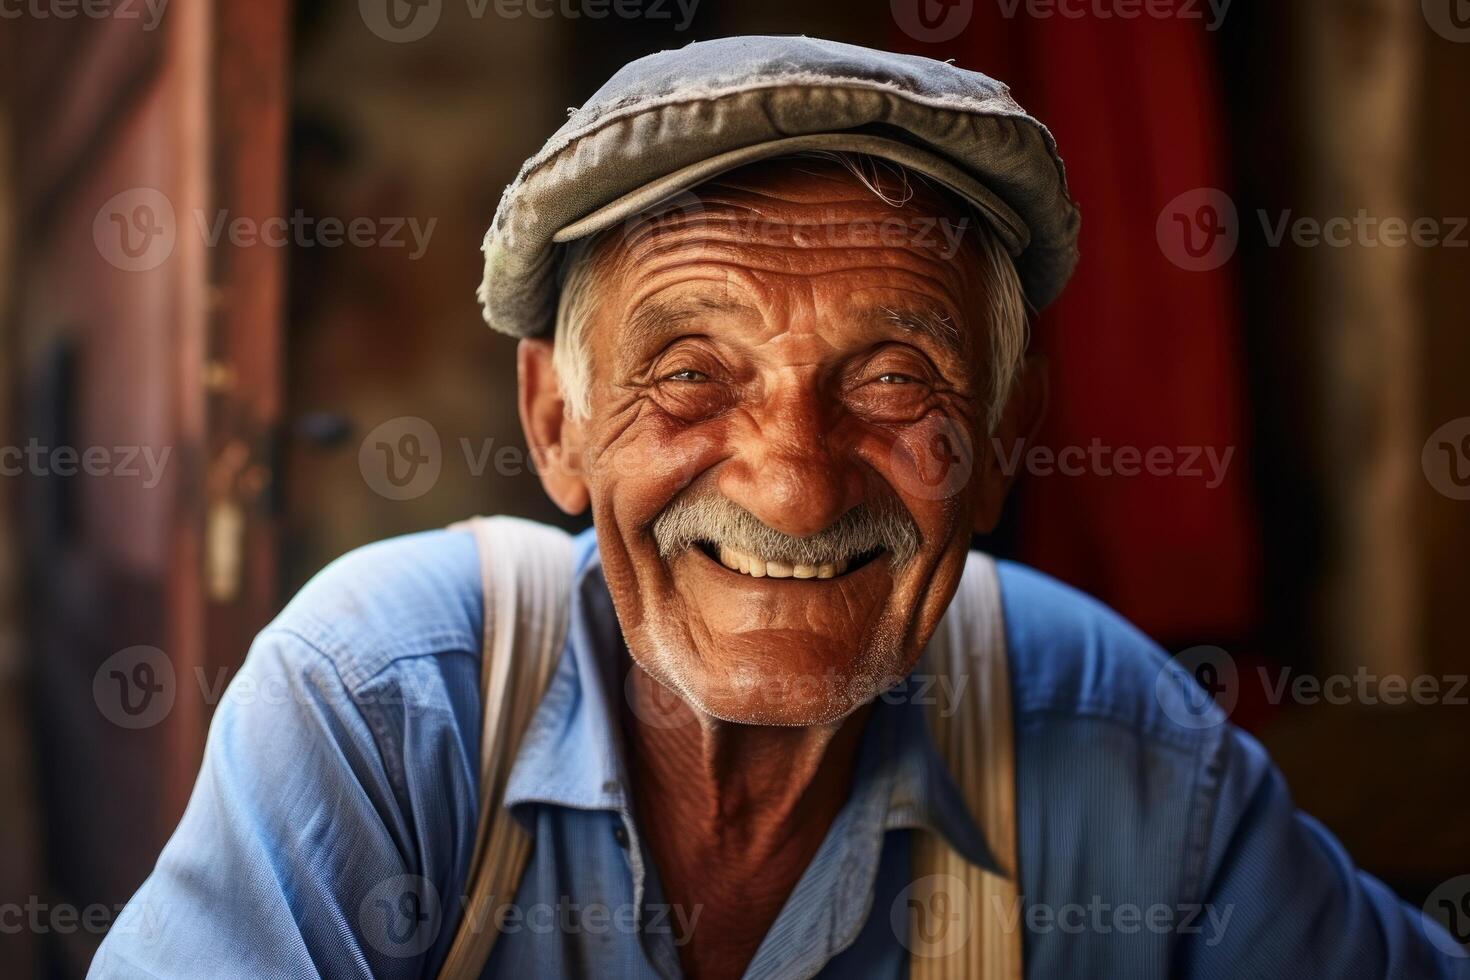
(1119, 772)
(411, 596)
(1072, 656)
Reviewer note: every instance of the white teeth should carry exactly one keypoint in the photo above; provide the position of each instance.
(739, 561)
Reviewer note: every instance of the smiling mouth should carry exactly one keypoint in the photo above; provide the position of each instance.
(747, 564)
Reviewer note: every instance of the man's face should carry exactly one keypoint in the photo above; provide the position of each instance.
(787, 343)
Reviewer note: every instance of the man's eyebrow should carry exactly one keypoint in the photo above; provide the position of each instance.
(654, 322)
(938, 326)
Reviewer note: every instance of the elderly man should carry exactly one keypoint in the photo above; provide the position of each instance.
(773, 298)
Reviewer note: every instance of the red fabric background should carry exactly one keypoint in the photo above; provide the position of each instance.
(1142, 353)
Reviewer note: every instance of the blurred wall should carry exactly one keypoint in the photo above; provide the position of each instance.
(387, 344)
(384, 357)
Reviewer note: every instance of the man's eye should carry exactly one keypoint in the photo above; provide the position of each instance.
(688, 374)
(894, 378)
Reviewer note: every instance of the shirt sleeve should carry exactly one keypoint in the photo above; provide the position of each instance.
(1283, 898)
(302, 852)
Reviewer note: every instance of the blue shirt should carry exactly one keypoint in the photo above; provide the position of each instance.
(333, 819)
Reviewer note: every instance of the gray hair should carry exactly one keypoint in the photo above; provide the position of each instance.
(1005, 314)
(708, 516)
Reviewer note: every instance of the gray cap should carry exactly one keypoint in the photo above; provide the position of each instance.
(669, 121)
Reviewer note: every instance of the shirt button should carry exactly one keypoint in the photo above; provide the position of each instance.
(620, 834)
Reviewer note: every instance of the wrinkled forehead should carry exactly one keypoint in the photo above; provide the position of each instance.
(810, 203)
(870, 233)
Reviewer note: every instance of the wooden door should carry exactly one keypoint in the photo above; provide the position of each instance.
(143, 358)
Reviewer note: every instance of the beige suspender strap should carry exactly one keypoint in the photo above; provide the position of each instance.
(960, 929)
(526, 574)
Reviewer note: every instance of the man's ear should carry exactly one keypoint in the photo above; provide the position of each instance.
(1005, 450)
(555, 438)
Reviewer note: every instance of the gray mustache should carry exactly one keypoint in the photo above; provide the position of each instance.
(710, 517)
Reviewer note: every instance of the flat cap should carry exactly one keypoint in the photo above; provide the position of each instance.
(666, 122)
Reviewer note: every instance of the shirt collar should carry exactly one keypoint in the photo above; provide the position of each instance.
(922, 793)
(572, 753)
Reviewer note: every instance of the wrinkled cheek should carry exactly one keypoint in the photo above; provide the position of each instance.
(930, 465)
(932, 460)
(640, 476)
(632, 481)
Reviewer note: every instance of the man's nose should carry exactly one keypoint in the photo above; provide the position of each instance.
(791, 466)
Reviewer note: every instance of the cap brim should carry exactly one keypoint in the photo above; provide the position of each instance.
(1007, 225)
